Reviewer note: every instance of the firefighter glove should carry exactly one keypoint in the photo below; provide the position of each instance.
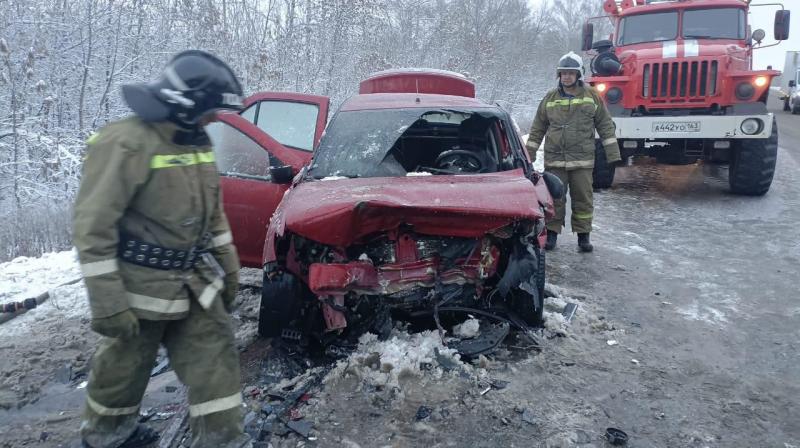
(229, 293)
(124, 325)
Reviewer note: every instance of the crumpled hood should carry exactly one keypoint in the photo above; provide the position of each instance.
(340, 212)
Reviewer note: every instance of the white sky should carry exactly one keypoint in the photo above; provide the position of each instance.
(763, 17)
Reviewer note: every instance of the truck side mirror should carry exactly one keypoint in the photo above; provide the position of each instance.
(792, 83)
(782, 24)
(588, 36)
(759, 35)
(281, 174)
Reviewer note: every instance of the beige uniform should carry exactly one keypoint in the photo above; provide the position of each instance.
(138, 185)
(569, 150)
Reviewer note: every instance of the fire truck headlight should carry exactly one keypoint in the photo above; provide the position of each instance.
(752, 126)
(614, 95)
(601, 87)
(745, 91)
(760, 81)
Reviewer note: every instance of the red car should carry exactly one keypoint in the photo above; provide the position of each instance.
(416, 199)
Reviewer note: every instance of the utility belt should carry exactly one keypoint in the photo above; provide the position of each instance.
(142, 253)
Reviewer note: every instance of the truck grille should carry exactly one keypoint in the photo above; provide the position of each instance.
(680, 81)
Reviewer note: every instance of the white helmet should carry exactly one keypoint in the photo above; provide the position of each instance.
(570, 61)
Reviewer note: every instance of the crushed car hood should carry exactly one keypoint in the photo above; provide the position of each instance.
(340, 212)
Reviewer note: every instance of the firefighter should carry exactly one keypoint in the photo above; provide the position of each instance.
(568, 116)
(156, 254)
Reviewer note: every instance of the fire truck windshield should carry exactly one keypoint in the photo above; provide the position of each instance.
(718, 23)
(648, 28)
(711, 23)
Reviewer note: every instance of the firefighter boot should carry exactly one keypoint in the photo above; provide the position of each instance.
(583, 243)
(551, 240)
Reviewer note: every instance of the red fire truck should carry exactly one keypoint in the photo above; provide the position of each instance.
(677, 77)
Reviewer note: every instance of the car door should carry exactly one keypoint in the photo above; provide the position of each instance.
(274, 129)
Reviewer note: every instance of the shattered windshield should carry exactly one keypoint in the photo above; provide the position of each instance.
(718, 23)
(648, 28)
(403, 142)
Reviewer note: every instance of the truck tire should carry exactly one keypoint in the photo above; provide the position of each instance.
(796, 109)
(753, 164)
(603, 173)
(281, 298)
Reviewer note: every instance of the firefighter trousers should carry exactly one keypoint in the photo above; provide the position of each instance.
(578, 184)
(202, 352)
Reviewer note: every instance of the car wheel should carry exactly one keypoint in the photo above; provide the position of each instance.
(529, 303)
(281, 297)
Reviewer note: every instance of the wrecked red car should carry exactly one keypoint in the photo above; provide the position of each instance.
(418, 200)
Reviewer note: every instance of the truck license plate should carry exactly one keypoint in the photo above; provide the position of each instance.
(681, 126)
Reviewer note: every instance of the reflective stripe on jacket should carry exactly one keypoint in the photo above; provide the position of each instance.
(137, 181)
(569, 125)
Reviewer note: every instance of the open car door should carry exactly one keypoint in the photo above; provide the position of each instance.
(274, 129)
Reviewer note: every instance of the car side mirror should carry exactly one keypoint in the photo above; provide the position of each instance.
(792, 83)
(782, 24)
(281, 174)
(759, 35)
(554, 185)
(587, 37)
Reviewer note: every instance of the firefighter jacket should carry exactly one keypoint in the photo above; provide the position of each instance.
(569, 124)
(136, 181)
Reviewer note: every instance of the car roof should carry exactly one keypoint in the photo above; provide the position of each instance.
(372, 101)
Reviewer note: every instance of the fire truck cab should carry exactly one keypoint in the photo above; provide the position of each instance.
(677, 77)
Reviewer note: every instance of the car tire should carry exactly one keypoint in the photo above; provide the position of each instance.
(530, 307)
(603, 172)
(281, 298)
(753, 164)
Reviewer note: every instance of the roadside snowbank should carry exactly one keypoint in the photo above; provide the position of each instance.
(25, 277)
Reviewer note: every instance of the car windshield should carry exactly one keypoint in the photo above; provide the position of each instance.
(401, 142)
(718, 23)
(648, 28)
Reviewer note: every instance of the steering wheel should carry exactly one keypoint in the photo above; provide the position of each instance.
(459, 161)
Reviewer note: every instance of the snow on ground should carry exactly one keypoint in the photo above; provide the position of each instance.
(26, 277)
(402, 356)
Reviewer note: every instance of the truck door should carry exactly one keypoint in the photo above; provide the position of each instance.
(274, 128)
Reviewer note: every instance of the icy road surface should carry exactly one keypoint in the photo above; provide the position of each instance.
(687, 335)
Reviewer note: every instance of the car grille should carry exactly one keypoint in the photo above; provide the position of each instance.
(680, 81)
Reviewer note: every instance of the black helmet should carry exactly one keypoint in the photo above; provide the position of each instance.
(193, 83)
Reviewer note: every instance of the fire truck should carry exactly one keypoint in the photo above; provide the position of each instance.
(678, 78)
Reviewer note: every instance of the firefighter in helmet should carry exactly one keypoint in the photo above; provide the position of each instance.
(156, 254)
(568, 115)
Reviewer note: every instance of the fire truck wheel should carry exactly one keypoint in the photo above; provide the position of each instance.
(603, 173)
(281, 298)
(795, 109)
(753, 164)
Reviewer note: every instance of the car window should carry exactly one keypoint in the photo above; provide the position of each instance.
(249, 114)
(292, 124)
(236, 154)
(400, 142)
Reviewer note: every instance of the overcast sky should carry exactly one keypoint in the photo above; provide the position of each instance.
(764, 17)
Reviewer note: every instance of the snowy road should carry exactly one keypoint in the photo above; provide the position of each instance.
(687, 335)
(707, 285)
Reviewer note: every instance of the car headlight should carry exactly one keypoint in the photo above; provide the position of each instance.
(752, 126)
